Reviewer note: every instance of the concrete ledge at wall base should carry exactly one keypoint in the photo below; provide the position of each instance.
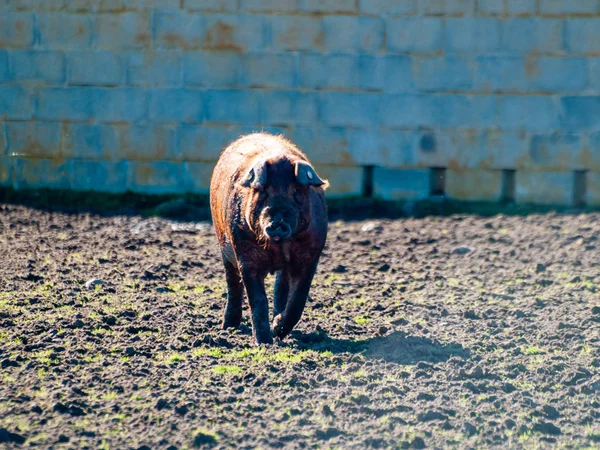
(5, 171)
(544, 188)
(399, 184)
(474, 185)
(344, 181)
(592, 197)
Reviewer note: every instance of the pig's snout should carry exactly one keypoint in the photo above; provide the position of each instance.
(278, 230)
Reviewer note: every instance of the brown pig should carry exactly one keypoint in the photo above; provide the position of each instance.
(269, 213)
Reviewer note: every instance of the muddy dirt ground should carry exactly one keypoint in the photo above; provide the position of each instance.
(459, 331)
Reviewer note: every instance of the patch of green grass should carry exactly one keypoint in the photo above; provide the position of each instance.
(44, 356)
(532, 350)
(361, 320)
(111, 395)
(224, 370)
(214, 352)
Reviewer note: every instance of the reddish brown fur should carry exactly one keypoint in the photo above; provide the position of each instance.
(242, 214)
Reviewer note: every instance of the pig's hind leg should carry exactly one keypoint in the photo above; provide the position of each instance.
(232, 317)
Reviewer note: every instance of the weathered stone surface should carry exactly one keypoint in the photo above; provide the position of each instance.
(475, 185)
(544, 188)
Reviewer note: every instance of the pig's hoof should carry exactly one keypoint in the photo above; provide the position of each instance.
(264, 340)
(228, 323)
(278, 330)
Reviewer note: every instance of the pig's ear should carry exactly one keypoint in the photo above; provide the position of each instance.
(306, 175)
(256, 177)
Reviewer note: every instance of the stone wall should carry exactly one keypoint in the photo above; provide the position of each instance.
(500, 99)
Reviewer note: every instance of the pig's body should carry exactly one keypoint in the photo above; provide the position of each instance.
(269, 213)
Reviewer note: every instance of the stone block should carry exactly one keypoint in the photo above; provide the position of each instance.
(414, 35)
(34, 173)
(3, 140)
(583, 35)
(87, 141)
(408, 111)
(44, 66)
(457, 111)
(470, 34)
(562, 8)
(544, 188)
(215, 69)
(387, 7)
(401, 184)
(447, 7)
(64, 30)
(399, 74)
(323, 145)
(161, 68)
(520, 7)
(353, 34)
(490, 7)
(269, 5)
(501, 74)
(146, 143)
(558, 74)
(95, 5)
(533, 35)
(16, 29)
(289, 107)
(349, 109)
(4, 72)
(343, 181)
(272, 70)
(157, 177)
(580, 113)
(296, 33)
(198, 175)
(211, 5)
(130, 30)
(443, 73)
(99, 176)
(16, 102)
(592, 188)
(36, 5)
(327, 6)
(94, 68)
(34, 139)
(240, 32)
(177, 29)
(163, 5)
(594, 75)
(338, 71)
(209, 31)
(474, 185)
(176, 105)
(233, 106)
(556, 151)
(205, 142)
(589, 158)
(119, 104)
(6, 170)
(530, 113)
(64, 104)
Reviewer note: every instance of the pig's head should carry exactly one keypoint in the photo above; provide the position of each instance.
(278, 198)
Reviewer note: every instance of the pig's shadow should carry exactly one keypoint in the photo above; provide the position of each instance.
(395, 347)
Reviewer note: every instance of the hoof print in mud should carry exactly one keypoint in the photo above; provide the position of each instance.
(269, 213)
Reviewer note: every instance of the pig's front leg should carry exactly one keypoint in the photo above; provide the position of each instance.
(282, 292)
(300, 281)
(259, 306)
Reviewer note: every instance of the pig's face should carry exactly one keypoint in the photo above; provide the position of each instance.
(277, 198)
